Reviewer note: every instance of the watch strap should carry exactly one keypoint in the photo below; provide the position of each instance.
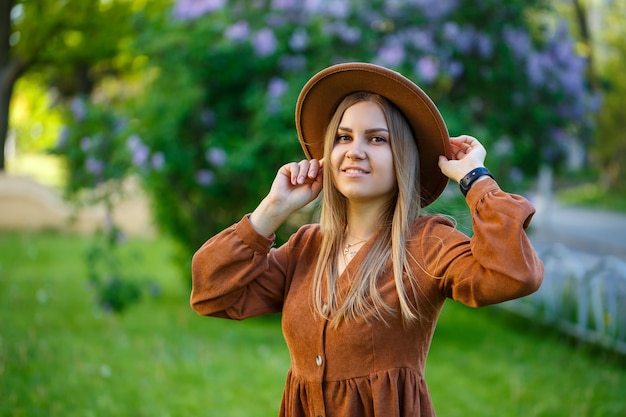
(467, 181)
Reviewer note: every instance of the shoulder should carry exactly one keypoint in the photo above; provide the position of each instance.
(307, 236)
(432, 234)
(431, 222)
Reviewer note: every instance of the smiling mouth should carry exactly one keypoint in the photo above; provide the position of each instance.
(355, 171)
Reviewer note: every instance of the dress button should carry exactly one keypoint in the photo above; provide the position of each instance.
(318, 360)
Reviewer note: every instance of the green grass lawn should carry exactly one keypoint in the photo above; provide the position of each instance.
(62, 356)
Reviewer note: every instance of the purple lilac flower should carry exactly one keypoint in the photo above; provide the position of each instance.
(216, 156)
(391, 55)
(79, 109)
(285, 4)
(537, 64)
(450, 31)
(140, 152)
(454, 69)
(264, 42)
(339, 9)
(133, 142)
(85, 143)
(314, 6)
(292, 62)
(560, 141)
(94, 166)
(276, 20)
(428, 68)
(158, 161)
(277, 87)
(238, 32)
(484, 45)
(421, 39)
(299, 40)
(346, 33)
(191, 9)
(518, 41)
(205, 177)
(140, 156)
(465, 39)
(437, 9)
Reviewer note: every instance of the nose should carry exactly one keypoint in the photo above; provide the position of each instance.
(356, 150)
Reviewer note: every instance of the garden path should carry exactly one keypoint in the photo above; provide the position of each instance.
(592, 232)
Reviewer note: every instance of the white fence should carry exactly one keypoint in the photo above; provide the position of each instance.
(582, 296)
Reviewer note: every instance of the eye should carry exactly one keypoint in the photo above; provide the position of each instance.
(378, 139)
(343, 138)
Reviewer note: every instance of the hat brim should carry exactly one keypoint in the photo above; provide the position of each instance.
(321, 95)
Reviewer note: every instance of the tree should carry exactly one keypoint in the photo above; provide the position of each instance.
(601, 37)
(609, 147)
(70, 43)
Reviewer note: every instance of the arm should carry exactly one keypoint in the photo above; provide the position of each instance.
(235, 274)
(498, 263)
(295, 185)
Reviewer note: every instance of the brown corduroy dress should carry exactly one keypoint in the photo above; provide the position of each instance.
(366, 367)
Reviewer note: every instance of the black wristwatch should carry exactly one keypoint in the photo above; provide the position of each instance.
(467, 181)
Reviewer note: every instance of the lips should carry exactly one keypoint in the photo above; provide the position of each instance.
(354, 170)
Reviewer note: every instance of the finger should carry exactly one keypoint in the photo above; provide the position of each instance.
(442, 160)
(291, 170)
(462, 145)
(303, 170)
(314, 168)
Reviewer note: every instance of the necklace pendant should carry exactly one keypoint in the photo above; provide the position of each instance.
(346, 250)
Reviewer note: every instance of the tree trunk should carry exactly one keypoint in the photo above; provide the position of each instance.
(580, 12)
(6, 85)
(9, 74)
(5, 100)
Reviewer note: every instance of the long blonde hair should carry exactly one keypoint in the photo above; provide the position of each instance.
(363, 298)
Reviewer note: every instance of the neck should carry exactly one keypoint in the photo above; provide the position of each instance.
(362, 221)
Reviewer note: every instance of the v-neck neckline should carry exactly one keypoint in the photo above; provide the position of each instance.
(353, 263)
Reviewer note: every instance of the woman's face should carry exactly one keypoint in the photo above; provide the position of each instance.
(361, 158)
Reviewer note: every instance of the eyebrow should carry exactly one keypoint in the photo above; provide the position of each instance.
(376, 129)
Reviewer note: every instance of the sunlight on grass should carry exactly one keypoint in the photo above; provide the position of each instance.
(62, 356)
(47, 169)
(593, 195)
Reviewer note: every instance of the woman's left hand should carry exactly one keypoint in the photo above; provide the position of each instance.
(467, 153)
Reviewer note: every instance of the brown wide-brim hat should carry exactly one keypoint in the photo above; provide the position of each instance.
(322, 94)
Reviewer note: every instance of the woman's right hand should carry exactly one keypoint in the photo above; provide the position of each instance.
(296, 185)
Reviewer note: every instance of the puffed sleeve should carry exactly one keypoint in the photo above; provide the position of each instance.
(236, 274)
(498, 263)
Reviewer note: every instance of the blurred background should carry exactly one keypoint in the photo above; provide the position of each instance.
(134, 130)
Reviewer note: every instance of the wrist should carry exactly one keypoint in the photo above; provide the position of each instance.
(472, 177)
(267, 217)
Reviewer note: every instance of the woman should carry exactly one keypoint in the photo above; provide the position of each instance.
(360, 293)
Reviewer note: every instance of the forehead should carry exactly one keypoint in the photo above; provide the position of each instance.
(364, 113)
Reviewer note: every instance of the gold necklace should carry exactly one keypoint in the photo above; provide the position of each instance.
(346, 249)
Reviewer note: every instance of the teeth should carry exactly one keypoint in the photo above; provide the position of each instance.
(355, 171)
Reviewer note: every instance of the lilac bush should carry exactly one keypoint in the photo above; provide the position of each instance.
(211, 129)
(97, 162)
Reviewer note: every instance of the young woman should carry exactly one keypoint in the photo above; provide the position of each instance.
(360, 292)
